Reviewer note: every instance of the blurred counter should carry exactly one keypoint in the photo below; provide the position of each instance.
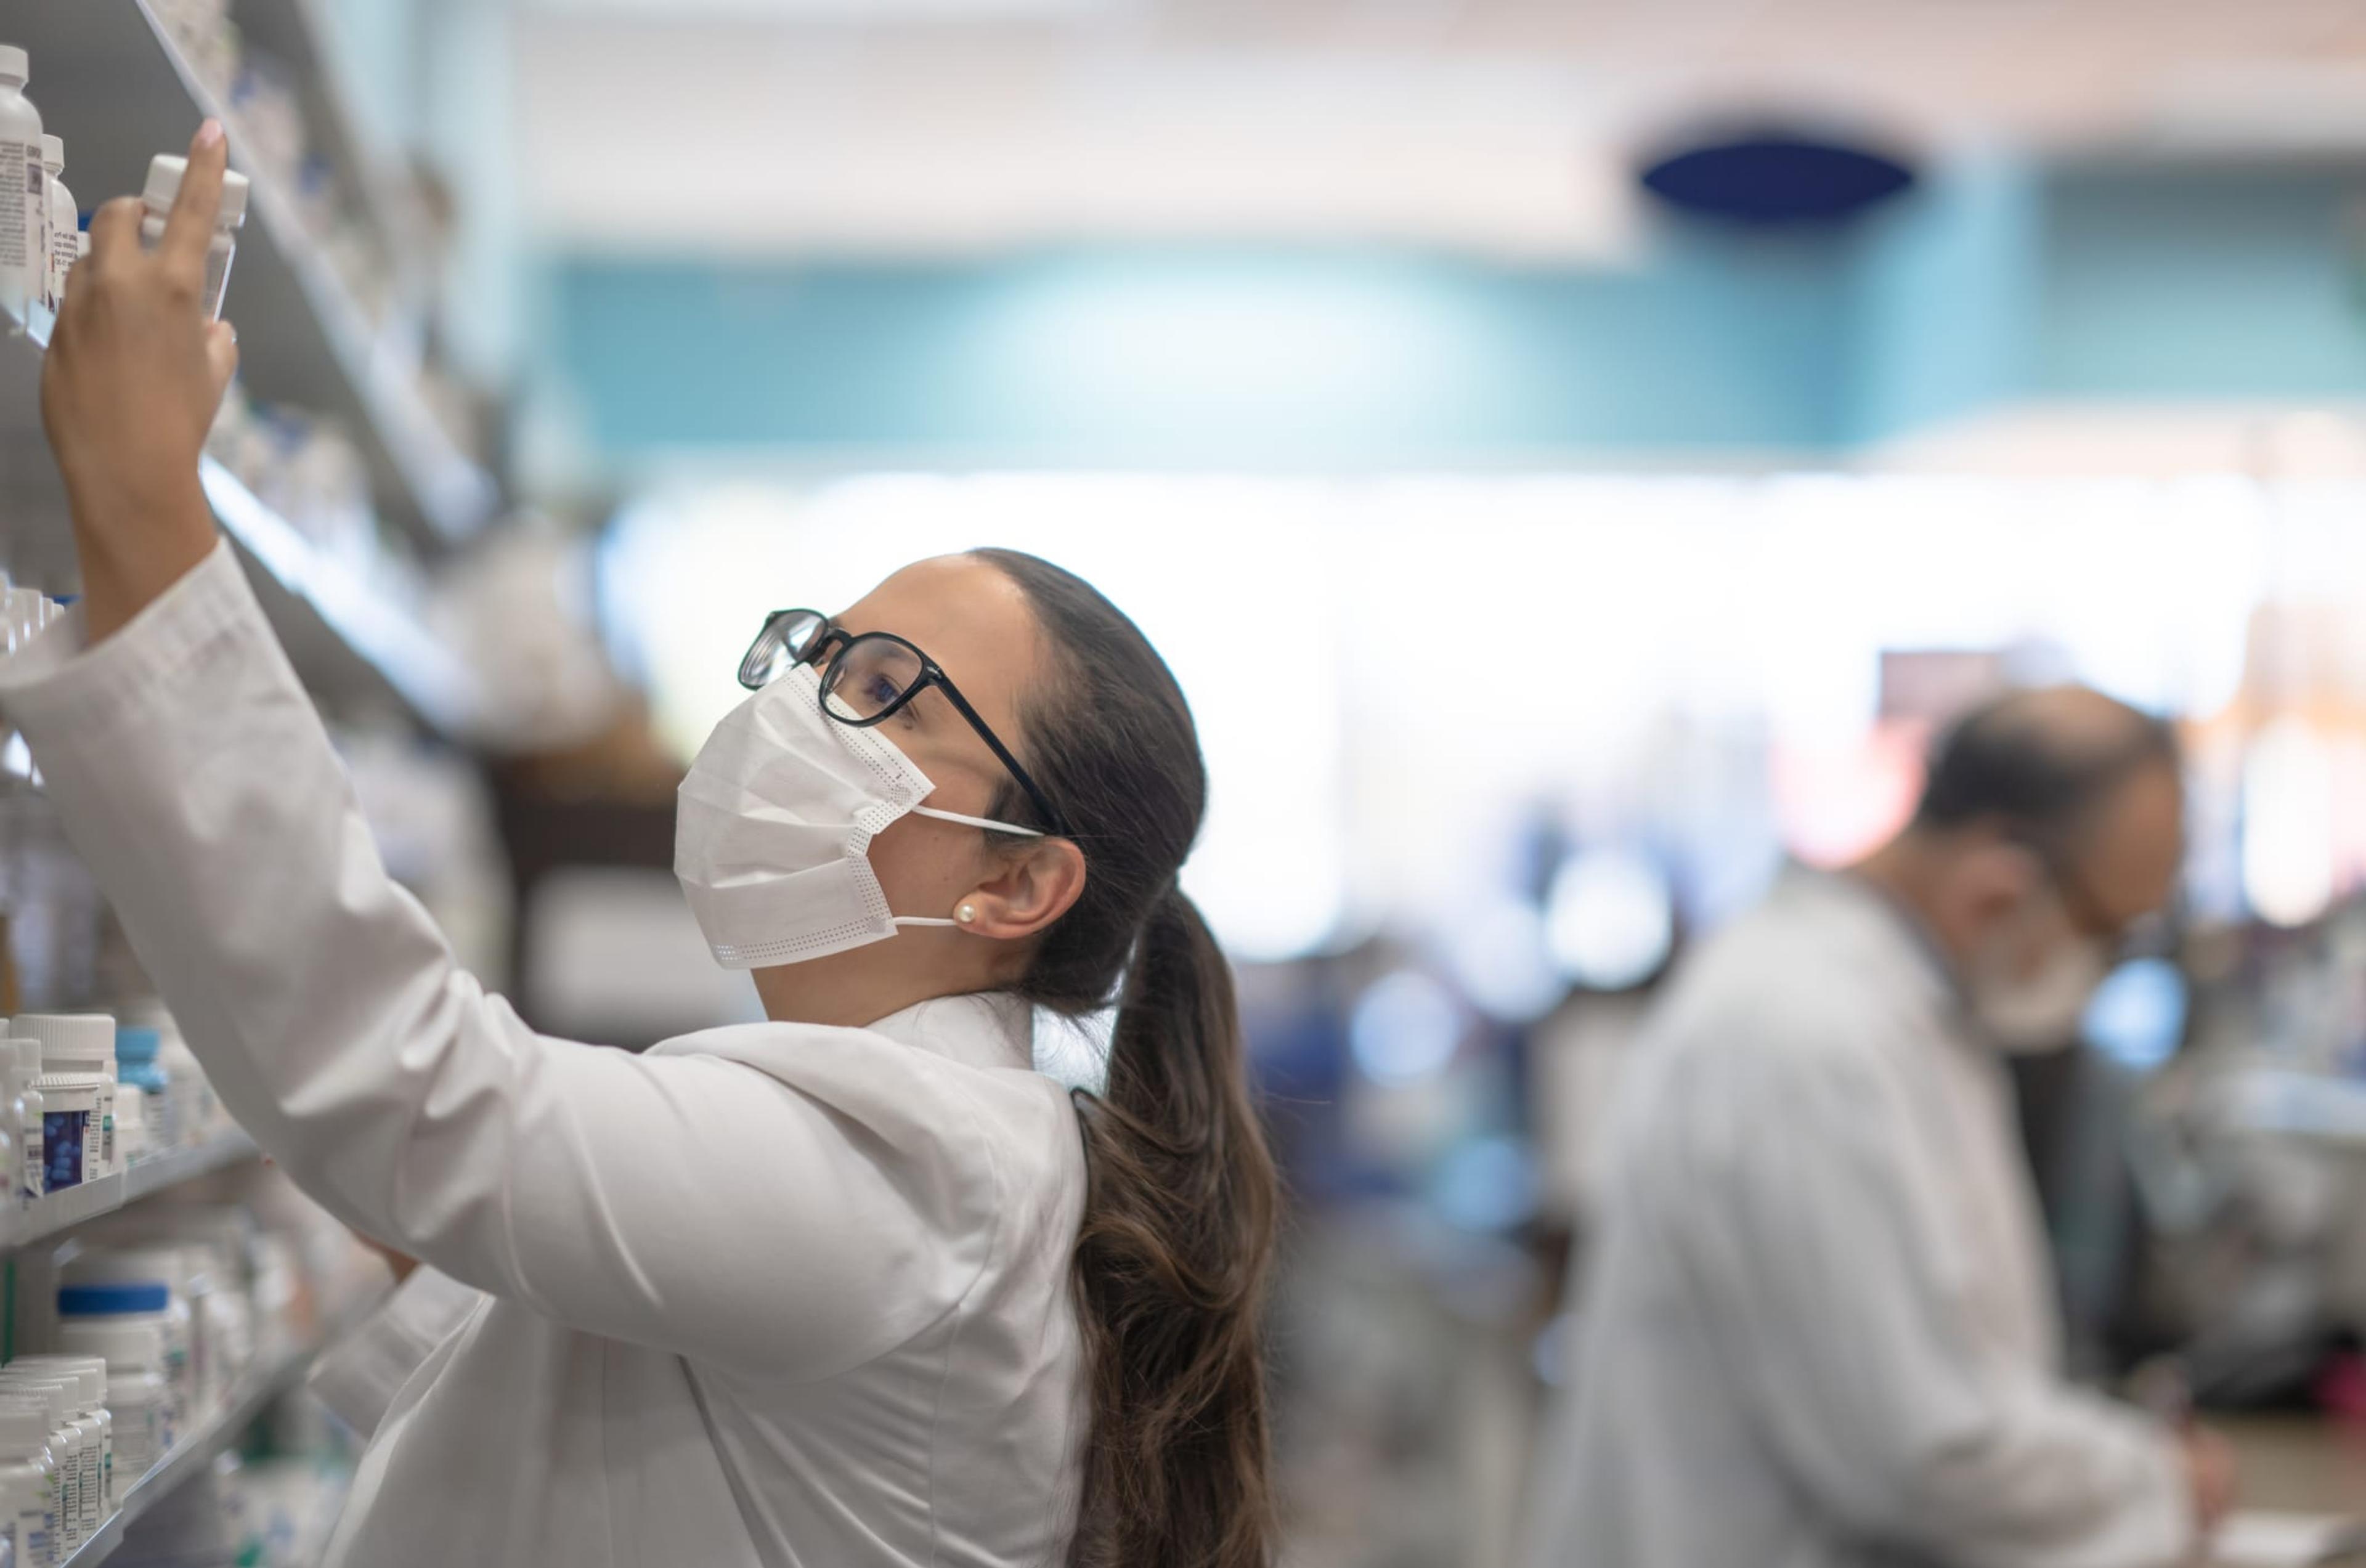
(2298, 1465)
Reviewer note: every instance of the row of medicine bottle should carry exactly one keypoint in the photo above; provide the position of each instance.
(41, 234)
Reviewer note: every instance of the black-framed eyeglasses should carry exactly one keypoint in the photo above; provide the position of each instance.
(869, 680)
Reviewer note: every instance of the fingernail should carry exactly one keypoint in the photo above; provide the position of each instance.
(210, 133)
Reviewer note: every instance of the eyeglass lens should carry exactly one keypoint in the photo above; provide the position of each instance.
(784, 640)
(869, 676)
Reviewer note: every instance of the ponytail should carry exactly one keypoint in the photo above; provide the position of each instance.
(1176, 1239)
(1171, 1266)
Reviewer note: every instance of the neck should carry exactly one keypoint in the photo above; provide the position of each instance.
(1907, 870)
(860, 987)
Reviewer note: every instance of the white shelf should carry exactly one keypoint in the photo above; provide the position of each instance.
(341, 635)
(197, 1450)
(109, 81)
(392, 646)
(58, 1212)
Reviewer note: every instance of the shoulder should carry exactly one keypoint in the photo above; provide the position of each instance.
(1007, 1127)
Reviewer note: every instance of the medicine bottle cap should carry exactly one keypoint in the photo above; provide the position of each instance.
(90, 1372)
(57, 1393)
(164, 171)
(115, 1299)
(134, 1042)
(16, 65)
(71, 1041)
(53, 152)
(24, 1426)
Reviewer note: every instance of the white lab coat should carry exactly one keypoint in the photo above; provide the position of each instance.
(1817, 1326)
(770, 1294)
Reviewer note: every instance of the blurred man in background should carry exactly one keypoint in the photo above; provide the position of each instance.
(1817, 1322)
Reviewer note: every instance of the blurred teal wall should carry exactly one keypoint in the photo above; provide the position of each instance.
(1994, 283)
(1213, 357)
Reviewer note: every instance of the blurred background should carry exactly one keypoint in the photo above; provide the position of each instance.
(1573, 456)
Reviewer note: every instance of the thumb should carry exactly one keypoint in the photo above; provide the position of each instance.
(221, 355)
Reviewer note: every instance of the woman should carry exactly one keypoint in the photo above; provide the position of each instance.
(852, 1286)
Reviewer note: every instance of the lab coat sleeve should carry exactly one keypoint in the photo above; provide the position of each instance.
(682, 1201)
(358, 1376)
(1842, 1295)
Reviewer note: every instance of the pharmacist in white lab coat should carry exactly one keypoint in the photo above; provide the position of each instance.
(1815, 1325)
(854, 1286)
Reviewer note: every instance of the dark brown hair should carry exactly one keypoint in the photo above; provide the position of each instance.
(1180, 1202)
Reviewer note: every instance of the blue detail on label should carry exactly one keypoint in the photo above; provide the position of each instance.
(62, 1137)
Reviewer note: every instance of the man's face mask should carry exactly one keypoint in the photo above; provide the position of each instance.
(2031, 986)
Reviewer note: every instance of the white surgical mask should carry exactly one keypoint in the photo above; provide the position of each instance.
(773, 824)
(2029, 1014)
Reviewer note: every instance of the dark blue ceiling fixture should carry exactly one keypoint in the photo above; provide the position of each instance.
(1776, 178)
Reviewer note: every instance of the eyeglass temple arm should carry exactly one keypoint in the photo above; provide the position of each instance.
(1002, 752)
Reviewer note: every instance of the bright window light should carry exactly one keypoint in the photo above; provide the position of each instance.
(2137, 1016)
(2287, 844)
(1611, 918)
(1388, 670)
(1405, 1029)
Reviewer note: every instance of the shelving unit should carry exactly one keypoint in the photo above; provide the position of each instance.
(297, 33)
(111, 82)
(58, 1212)
(347, 641)
(197, 1450)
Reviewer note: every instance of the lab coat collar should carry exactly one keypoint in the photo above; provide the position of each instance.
(981, 1029)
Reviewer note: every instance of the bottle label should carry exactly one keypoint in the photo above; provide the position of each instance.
(33, 1528)
(21, 221)
(91, 1494)
(65, 246)
(33, 1141)
(70, 1502)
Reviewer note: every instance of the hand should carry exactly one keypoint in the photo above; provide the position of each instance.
(2209, 1475)
(134, 375)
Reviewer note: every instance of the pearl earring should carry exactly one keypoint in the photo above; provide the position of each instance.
(967, 913)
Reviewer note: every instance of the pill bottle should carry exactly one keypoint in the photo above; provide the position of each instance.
(77, 1078)
(139, 1075)
(63, 227)
(164, 171)
(108, 1291)
(23, 201)
(91, 1401)
(70, 1441)
(188, 1095)
(85, 1445)
(28, 1481)
(139, 1386)
(22, 1060)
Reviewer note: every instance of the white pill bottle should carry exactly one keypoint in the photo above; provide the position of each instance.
(24, 194)
(65, 222)
(164, 171)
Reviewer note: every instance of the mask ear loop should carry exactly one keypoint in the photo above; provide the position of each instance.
(967, 912)
(987, 823)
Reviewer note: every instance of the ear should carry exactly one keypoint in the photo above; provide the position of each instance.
(1037, 885)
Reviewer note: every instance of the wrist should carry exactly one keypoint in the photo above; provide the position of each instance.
(134, 543)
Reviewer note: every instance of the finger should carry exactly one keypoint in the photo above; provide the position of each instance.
(221, 355)
(114, 232)
(189, 226)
